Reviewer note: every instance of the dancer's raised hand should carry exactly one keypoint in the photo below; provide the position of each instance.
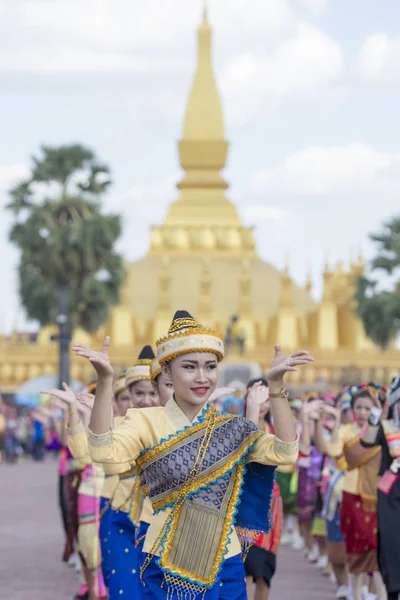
(313, 410)
(86, 400)
(286, 364)
(100, 360)
(66, 395)
(258, 394)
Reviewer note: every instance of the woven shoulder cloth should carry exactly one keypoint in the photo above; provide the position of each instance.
(198, 473)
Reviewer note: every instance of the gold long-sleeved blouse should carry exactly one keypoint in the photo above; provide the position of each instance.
(78, 446)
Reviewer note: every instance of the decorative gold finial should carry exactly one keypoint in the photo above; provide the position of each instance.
(205, 12)
(339, 267)
(352, 259)
(245, 288)
(360, 256)
(309, 282)
(286, 299)
(327, 268)
(286, 265)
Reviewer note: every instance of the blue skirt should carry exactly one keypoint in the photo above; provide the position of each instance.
(230, 584)
(122, 553)
(334, 533)
(104, 535)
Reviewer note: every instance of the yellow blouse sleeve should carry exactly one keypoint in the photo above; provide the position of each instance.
(78, 444)
(123, 444)
(335, 446)
(270, 450)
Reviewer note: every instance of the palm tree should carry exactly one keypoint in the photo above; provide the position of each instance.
(69, 272)
(380, 309)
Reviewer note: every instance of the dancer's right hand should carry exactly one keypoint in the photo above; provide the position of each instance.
(86, 400)
(99, 360)
(66, 395)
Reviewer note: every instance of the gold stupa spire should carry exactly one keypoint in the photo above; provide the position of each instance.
(203, 151)
(205, 12)
(204, 117)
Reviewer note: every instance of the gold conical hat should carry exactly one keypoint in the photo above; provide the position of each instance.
(186, 335)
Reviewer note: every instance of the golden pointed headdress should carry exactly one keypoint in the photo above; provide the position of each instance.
(120, 383)
(155, 370)
(141, 368)
(188, 335)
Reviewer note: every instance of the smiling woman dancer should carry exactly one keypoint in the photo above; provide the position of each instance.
(192, 460)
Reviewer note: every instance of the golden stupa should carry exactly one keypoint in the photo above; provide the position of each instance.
(202, 258)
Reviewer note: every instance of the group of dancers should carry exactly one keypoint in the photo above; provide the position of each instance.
(165, 496)
(342, 501)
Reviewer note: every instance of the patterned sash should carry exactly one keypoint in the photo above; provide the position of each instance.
(392, 434)
(198, 473)
(333, 495)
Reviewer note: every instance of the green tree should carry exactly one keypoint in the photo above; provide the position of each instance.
(379, 309)
(69, 271)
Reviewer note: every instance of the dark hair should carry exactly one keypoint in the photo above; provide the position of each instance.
(380, 392)
(256, 380)
(338, 397)
(362, 393)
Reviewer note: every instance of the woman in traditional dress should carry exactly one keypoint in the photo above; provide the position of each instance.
(358, 506)
(287, 478)
(309, 466)
(191, 460)
(88, 498)
(336, 550)
(260, 562)
(127, 501)
(122, 402)
(386, 434)
(60, 425)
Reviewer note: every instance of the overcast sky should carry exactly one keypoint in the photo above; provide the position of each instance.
(311, 93)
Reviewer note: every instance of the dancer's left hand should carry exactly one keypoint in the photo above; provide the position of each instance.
(286, 364)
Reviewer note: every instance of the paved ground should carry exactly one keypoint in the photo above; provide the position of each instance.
(296, 579)
(31, 544)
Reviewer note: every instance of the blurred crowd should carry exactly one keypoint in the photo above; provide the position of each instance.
(28, 432)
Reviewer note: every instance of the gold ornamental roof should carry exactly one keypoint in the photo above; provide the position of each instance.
(185, 274)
